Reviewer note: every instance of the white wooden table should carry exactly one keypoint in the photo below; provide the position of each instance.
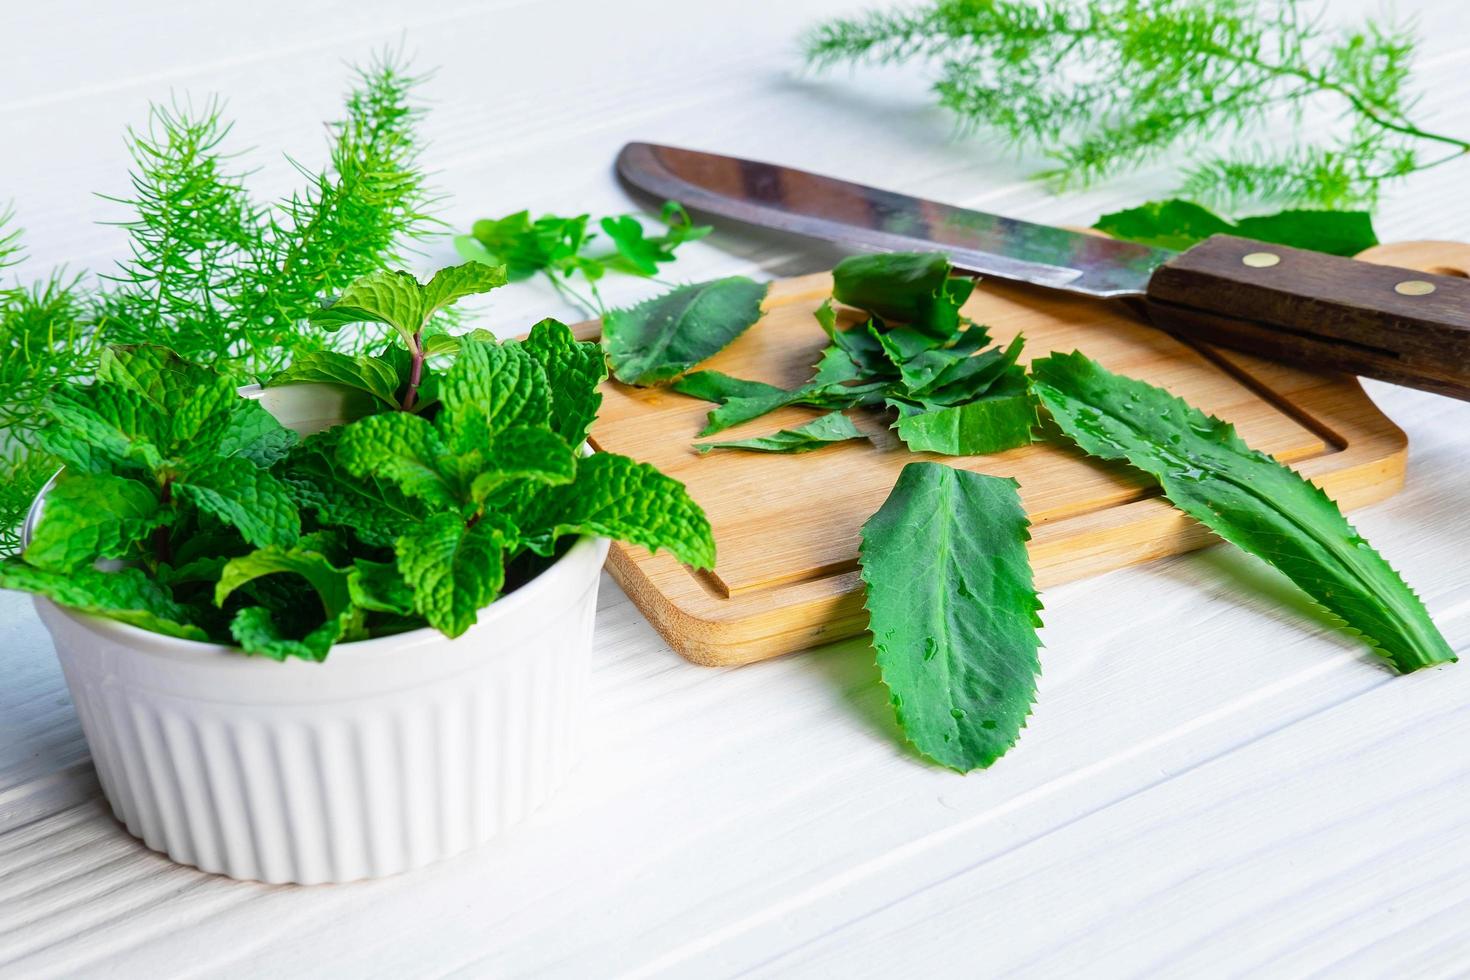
(1213, 781)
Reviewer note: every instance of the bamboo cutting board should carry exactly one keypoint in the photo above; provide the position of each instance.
(787, 527)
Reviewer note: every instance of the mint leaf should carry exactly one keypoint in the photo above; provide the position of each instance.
(95, 428)
(329, 581)
(402, 448)
(1245, 497)
(453, 570)
(375, 510)
(492, 387)
(244, 496)
(380, 587)
(667, 335)
(398, 299)
(615, 497)
(820, 432)
(162, 377)
(93, 515)
(370, 374)
(574, 369)
(455, 282)
(538, 455)
(953, 611)
(247, 430)
(255, 629)
(127, 595)
(1178, 225)
(911, 287)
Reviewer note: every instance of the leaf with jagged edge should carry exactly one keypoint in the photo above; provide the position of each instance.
(256, 631)
(574, 370)
(95, 428)
(454, 570)
(953, 611)
(399, 300)
(373, 375)
(663, 337)
(523, 453)
(913, 288)
(404, 449)
(93, 515)
(1244, 496)
(819, 433)
(489, 388)
(244, 496)
(372, 508)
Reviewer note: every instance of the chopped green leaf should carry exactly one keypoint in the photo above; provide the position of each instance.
(911, 287)
(820, 432)
(987, 425)
(663, 337)
(1245, 497)
(953, 611)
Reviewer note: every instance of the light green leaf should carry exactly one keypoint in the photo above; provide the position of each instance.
(329, 581)
(370, 374)
(247, 430)
(988, 425)
(127, 595)
(162, 377)
(953, 611)
(491, 387)
(615, 497)
(379, 586)
(402, 448)
(244, 496)
(94, 428)
(373, 509)
(386, 296)
(574, 369)
(93, 515)
(453, 570)
(524, 453)
(453, 283)
(1245, 497)
(665, 336)
(1171, 224)
(820, 432)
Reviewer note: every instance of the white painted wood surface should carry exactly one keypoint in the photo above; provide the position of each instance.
(1213, 783)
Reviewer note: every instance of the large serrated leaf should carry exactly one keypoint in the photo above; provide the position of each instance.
(96, 428)
(665, 336)
(373, 375)
(524, 453)
(374, 509)
(953, 611)
(1245, 497)
(491, 387)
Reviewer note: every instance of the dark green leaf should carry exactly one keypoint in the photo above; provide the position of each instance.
(1245, 497)
(910, 287)
(667, 335)
(820, 432)
(1177, 225)
(329, 581)
(375, 510)
(988, 425)
(379, 586)
(953, 611)
(1171, 224)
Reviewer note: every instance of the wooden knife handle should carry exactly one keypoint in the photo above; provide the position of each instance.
(1411, 328)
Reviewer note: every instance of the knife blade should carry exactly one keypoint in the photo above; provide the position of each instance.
(867, 217)
(1323, 311)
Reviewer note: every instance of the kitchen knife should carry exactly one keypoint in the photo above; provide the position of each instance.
(1324, 311)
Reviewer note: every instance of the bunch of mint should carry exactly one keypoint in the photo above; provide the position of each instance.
(188, 510)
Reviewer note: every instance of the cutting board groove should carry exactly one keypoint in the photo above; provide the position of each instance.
(787, 527)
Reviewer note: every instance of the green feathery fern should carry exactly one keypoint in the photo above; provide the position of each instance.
(213, 274)
(1102, 86)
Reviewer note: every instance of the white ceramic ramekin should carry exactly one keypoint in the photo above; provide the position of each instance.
(391, 754)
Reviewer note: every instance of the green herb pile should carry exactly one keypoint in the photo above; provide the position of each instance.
(913, 352)
(461, 478)
(562, 248)
(1104, 86)
(214, 274)
(959, 655)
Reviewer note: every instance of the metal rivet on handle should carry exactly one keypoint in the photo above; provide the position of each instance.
(1260, 260)
(1414, 287)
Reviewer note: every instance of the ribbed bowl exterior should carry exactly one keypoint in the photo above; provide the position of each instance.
(392, 754)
